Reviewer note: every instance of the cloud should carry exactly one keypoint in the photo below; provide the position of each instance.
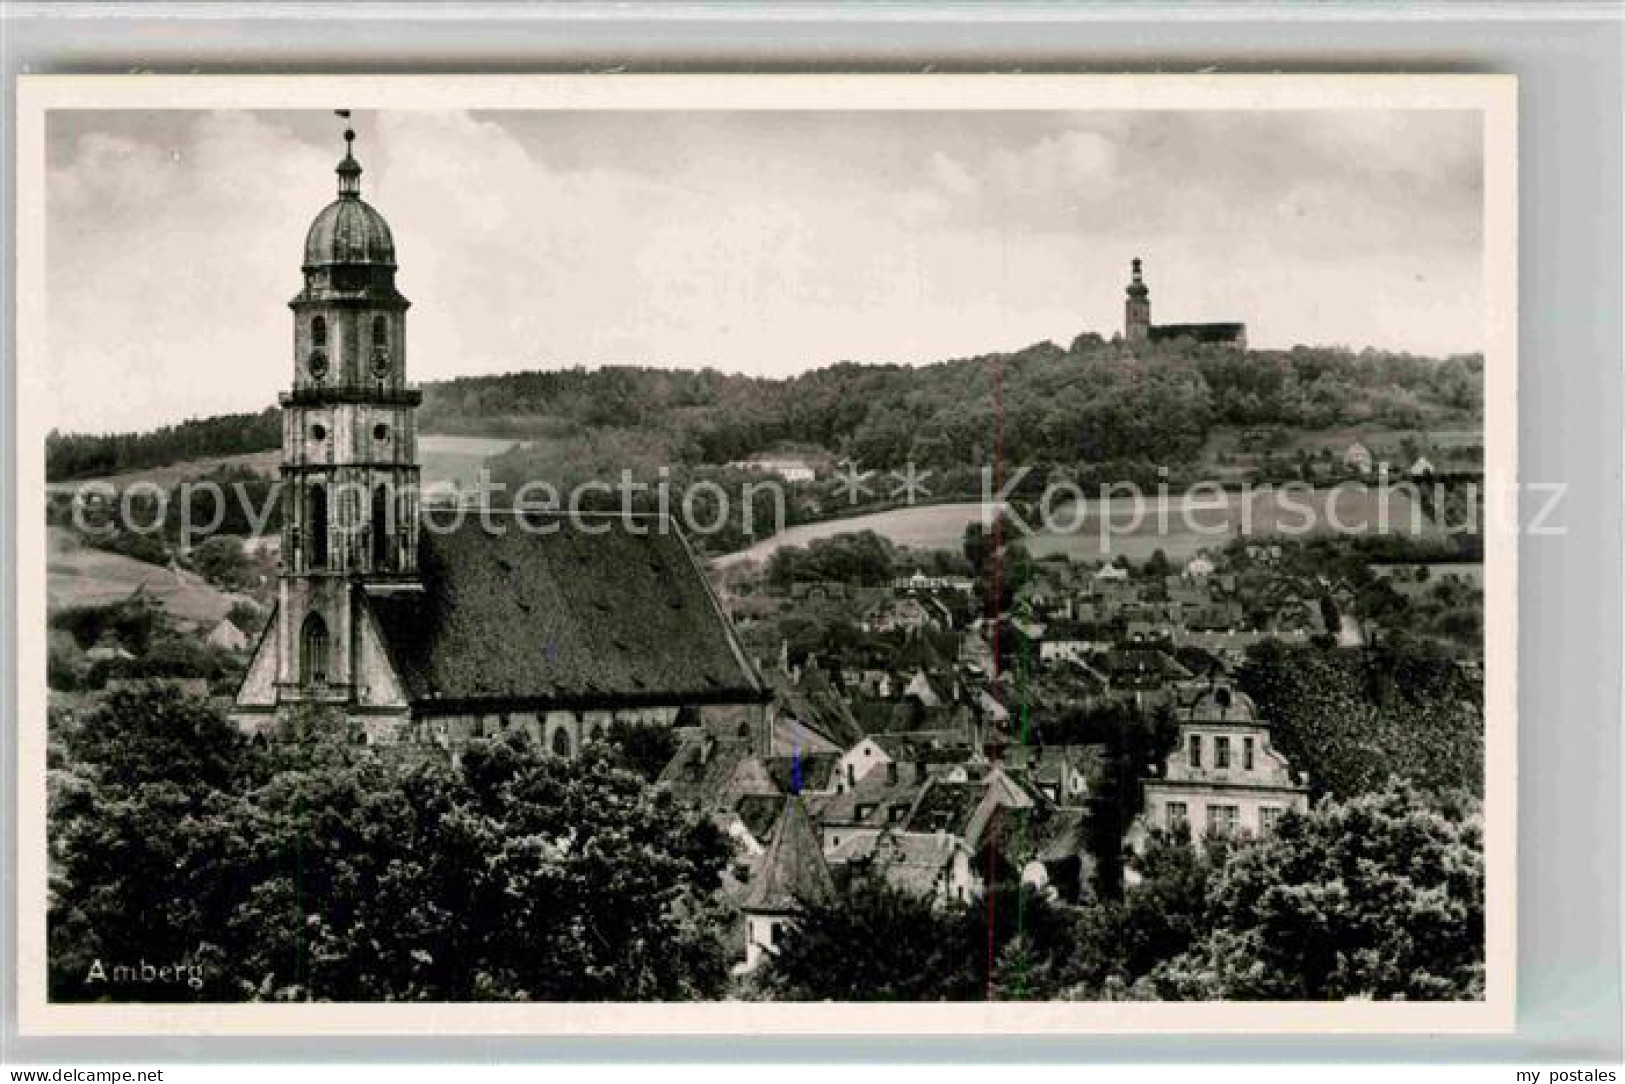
(762, 243)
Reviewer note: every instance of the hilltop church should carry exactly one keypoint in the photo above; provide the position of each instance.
(1138, 328)
(413, 625)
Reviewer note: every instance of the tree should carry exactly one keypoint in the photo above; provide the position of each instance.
(220, 560)
(1379, 897)
(1158, 565)
(1350, 720)
(878, 942)
(149, 734)
(319, 869)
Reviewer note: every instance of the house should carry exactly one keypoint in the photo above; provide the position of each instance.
(907, 614)
(883, 798)
(919, 581)
(712, 773)
(790, 468)
(1073, 641)
(227, 637)
(1357, 458)
(108, 649)
(400, 625)
(1064, 775)
(1224, 777)
(932, 864)
(789, 876)
(1199, 567)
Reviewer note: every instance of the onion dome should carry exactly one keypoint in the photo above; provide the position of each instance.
(348, 230)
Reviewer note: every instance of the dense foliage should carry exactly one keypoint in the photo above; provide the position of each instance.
(1380, 897)
(320, 870)
(1350, 720)
(86, 455)
(875, 942)
(1093, 401)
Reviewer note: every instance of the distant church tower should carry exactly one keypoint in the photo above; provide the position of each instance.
(1137, 309)
(349, 448)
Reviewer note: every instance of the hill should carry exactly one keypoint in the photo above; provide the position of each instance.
(1092, 402)
(81, 576)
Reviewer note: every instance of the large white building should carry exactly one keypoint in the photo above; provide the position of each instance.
(1224, 778)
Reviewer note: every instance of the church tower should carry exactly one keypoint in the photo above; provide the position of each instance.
(1137, 309)
(349, 450)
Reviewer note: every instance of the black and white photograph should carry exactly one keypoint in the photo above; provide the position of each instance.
(752, 554)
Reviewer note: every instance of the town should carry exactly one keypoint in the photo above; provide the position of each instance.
(953, 722)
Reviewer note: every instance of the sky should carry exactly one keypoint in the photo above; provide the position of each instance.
(758, 242)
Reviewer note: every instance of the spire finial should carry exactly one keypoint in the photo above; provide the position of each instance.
(349, 170)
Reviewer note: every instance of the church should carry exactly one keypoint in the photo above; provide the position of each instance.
(1138, 328)
(408, 624)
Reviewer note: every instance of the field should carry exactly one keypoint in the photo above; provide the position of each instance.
(1180, 528)
(81, 576)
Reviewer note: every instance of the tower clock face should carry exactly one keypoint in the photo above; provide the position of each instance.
(380, 361)
(318, 364)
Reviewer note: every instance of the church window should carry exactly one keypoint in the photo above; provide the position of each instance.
(313, 651)
(561, 743)
(380, 526)
(318, 332)
(380, 432)
(318, 432)
(380, 334)
(318, 526)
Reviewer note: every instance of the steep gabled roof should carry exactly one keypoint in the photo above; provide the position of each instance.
(792, 873)
(543, 610)
(713, 773)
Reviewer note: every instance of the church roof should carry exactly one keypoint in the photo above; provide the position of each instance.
(1202, 333)
(792, 872)
(544, 610)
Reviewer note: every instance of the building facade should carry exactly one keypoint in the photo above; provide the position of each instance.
(1224, 778)
(402, 623)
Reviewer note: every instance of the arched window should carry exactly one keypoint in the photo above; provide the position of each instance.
(318, 331)
(561, 743)
(381, 520)
(313, 651)
(318, 526)
(380, 334)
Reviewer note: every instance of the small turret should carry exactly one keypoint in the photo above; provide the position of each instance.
(1137, 309)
